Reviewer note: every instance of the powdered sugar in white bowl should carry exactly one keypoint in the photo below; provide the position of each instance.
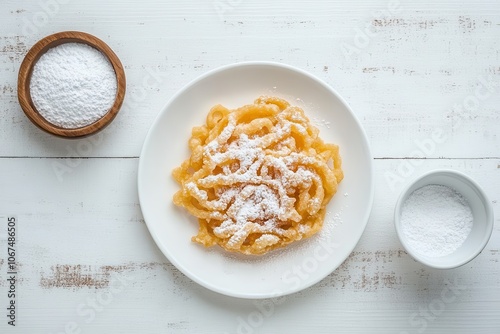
(443, 219)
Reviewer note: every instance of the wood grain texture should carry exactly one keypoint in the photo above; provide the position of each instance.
(423, 61)
(83, 241)
(74, 246)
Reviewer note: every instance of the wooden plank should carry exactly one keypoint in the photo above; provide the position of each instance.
(78, 238)
(404, 83)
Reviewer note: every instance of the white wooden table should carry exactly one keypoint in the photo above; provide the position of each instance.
(86, 261)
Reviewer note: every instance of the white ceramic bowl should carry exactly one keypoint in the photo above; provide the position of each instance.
(481, 210)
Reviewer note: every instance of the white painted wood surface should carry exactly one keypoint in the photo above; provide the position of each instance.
(81, 233)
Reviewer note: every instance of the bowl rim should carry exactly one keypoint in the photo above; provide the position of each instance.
(26, 70)
(469, 182)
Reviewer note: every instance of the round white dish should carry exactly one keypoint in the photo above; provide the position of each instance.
(482, 213)
(280, 272)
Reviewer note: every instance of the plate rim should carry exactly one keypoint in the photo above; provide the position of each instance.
(189, 85)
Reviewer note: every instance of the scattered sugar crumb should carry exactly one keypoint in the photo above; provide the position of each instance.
(321, 122)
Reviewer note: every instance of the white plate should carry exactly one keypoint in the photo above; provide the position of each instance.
(281, 272)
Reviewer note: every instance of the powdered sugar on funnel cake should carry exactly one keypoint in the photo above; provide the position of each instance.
(259, 177)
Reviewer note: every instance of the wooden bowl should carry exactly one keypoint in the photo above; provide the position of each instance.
(26, 70)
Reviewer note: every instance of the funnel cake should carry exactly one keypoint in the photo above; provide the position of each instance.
(258, 178)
